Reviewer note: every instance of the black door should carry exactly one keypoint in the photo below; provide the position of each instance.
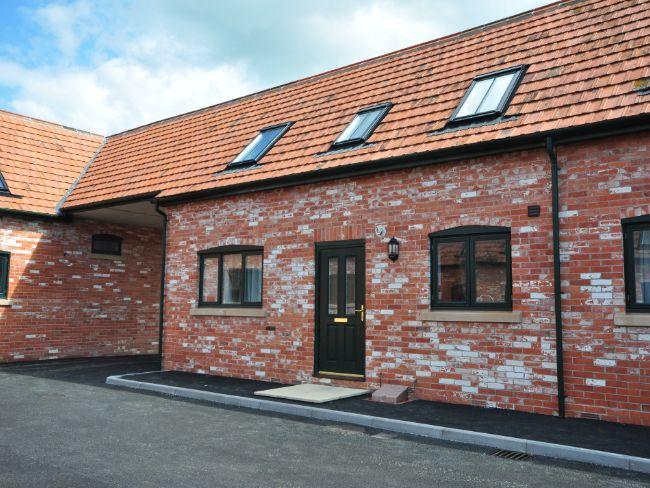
(340, 301)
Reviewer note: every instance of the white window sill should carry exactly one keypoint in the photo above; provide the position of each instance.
(469, 316)
(228, 312)
(109, 257)
(4, 302)
(632, 319)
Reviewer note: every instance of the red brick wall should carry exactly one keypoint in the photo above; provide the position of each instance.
(608, 367)
(491, 364)
(500, 365)
(66, 303)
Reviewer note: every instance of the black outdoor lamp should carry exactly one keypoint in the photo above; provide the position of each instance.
(393, 249)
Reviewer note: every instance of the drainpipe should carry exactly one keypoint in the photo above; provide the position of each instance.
(557, 284)
(162, 280)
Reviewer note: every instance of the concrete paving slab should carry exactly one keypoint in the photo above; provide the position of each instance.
(312, 393)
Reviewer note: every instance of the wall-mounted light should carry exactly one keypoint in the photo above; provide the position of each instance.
(393, 249)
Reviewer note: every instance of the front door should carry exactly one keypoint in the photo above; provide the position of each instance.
(340, 299)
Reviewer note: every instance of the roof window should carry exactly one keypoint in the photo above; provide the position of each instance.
(260, 145)
(362, 126)
(489, 95)
(3, 184)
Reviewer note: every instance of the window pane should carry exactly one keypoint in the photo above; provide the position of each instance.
(368, 119)
(232, 278)
(490, 270)
(361, 124)
(641, 246)
(210, 285)
(346, 135)
(259, 144)
(451, 277)
(496, 92)
(244, 155)
(333, 286)
(4, 275)
(350, 285)
(475, 97)
(253, 292)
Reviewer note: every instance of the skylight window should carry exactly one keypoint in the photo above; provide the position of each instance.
(363, 125)
(489, 94)
(260, 145)
(3, 184)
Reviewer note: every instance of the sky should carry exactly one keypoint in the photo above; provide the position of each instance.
(109, 65)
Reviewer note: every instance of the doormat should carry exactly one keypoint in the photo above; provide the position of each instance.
(312, 393)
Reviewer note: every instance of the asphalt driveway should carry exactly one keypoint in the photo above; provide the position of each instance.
(61, 427)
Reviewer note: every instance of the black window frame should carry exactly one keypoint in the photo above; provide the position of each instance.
(219, 253)
(247, 162)
(110, 237)
(469, 235)
(629, 226)
(503, 104)
(5, 260)
(384, 107)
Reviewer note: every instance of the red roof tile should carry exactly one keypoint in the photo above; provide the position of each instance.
(40, 161)
(583, 57)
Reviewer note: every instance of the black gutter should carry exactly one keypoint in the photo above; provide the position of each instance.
(557, 283)
(25, 214)
(162, 280)
(112, 202)
(491, 148)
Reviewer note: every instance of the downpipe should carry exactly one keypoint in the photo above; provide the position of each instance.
(162, 280)
(557, 283)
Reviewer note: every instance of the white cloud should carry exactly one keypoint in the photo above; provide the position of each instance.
(120, 94)
(371, 30)
(107, 67)
(68, 24)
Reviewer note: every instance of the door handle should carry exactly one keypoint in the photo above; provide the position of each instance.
(362, 311)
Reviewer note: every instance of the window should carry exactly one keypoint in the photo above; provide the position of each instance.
(107, 244)
(230, 277)
(470, 268)
(637, 264)
(362, 126)
(259, 146)
(4, 274)
(3, 185)
(489, 95)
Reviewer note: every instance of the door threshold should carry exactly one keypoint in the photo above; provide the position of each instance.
(340, 376)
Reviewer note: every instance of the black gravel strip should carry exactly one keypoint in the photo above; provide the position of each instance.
(590, 434)
(93, 371)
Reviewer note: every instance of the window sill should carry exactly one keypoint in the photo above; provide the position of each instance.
(4, 302)
(469, 316)
(632, 319)
(109, 257)
(228, 312)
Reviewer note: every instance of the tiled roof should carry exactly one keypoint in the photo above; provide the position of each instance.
(584, 58)
(40, 161)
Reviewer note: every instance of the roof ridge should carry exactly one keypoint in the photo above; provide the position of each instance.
(460, 34)
(48, 122)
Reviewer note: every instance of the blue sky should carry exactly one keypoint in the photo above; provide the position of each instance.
(106, 66)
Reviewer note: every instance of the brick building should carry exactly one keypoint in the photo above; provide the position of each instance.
(58, 298)
(469, 217)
